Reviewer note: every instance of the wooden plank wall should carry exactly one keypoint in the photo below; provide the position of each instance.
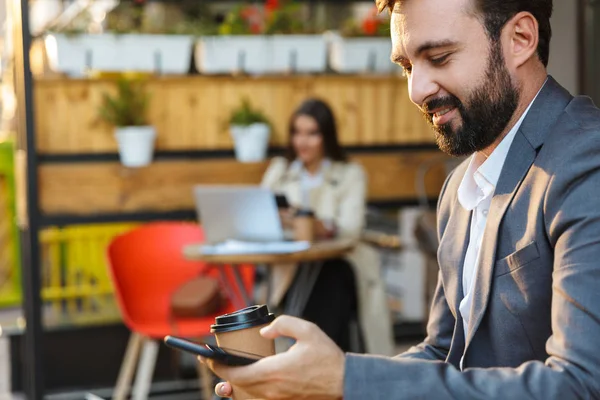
(107, 187)
(190, 113)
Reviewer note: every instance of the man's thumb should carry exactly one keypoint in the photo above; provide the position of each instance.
(287, 326)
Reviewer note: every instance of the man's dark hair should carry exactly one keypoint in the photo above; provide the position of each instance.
(496, 13)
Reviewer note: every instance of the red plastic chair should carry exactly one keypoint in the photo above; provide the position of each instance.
(147, 266)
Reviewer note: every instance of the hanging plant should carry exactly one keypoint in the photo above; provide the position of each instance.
(242, 20)
(284, 18)
(129, 107)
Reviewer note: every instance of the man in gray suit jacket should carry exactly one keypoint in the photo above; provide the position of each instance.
(516, 314)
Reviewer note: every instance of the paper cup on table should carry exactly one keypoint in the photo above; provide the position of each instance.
(241, 331)
(304, 225)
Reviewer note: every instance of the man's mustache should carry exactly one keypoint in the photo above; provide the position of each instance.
(440, 102)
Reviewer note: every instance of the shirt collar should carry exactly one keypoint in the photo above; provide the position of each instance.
(298, 168)
(481, 177)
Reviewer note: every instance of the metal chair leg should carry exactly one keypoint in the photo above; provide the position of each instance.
(128, 366)
(143, 378)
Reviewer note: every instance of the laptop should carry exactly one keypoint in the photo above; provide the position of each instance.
(241, 220)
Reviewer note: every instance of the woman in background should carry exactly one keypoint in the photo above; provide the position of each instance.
(317, 175)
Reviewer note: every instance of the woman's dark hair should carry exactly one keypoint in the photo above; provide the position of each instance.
(322, 114)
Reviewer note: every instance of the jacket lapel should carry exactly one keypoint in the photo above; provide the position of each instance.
(454, 248)
(292, 181)
(331, 172)
(544, 112)
(519, 159)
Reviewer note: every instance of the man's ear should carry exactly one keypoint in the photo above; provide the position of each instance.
(521, 34)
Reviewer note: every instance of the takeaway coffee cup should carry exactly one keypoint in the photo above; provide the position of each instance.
(240, 331)
(304, 225)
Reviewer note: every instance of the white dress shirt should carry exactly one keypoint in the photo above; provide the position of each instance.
(308, 180)
(475, 194)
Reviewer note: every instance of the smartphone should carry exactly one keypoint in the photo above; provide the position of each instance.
(281, 201)
(220, 355)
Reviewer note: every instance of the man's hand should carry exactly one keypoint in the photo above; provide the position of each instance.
(313, 368)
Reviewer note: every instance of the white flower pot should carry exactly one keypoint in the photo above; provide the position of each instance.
(250, 142)
(136, 145)
(72, 54)
(298, 53)
(258, 54)
(360, 55)
(230, 54)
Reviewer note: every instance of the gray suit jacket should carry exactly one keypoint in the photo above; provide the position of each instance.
(536, 306)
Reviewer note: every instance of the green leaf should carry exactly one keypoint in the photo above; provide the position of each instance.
(246, 115)
(128, 107)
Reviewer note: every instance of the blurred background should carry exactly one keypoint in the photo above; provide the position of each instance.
(189, 69)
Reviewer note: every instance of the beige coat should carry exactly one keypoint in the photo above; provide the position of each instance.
(340, 198)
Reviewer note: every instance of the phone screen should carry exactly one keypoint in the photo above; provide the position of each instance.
(281, 201)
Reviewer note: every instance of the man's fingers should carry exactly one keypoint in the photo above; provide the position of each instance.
(240, 375)
(222, 371)
(292, 327)
(223, 389)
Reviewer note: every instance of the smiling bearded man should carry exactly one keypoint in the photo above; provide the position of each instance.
(516, 312)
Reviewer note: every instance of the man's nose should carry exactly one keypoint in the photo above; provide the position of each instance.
(421, 86)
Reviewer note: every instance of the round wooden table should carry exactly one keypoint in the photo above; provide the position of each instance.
(310, 260)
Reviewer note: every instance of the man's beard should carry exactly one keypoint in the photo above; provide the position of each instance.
(488, 111)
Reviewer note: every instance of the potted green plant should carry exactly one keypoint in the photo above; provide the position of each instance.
(250, 130)
(127, 112)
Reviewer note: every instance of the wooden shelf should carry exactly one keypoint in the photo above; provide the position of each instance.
(107, 188)
(190, 113)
